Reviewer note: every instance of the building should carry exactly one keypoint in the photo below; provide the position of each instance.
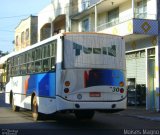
(55, 18)
(26, 33)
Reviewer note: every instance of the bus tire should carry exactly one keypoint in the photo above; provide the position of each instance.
(14, 107)
(35, 114)
(84, 114)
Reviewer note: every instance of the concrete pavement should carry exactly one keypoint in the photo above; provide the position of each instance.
(142, 113)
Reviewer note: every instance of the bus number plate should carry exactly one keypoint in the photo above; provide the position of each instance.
(95, 94)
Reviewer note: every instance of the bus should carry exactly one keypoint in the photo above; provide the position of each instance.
(74, 72)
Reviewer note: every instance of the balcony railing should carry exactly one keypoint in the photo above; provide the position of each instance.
(126, 18)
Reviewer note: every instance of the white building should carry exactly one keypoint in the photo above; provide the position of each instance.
(55, 18)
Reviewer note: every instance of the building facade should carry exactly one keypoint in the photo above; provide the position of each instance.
(26, 33)
(55, 18)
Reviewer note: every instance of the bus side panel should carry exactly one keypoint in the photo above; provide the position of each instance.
(42, 84)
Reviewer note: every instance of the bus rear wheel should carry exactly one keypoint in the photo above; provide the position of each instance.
(84, 114)
(35, 114)
(14, 107)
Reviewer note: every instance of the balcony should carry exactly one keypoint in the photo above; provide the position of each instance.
(140, 24)
(132, 17)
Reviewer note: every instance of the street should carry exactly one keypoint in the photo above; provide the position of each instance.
(21, 123)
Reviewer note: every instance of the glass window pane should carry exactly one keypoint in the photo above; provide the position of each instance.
(85, 25)
(53, 62)
(30, 67)
(46, 65)
(23, 69)
(38, 53)
(38, 66)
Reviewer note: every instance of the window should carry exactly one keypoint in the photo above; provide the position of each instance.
(46, 51)
(53, 49)
(85, 25)
(27, 34)
(23, 69)
(40, 59)
(38, 66)
(38, 54)
(22, 37)
(53, 61)
(16, 40)
(53, 54)
(141, 10)
(30, 67)
(46, 65)
(113, 17)
(22, 58)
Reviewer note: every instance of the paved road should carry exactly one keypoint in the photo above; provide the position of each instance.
(103, 123)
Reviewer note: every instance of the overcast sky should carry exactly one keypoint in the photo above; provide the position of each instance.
(11, 13)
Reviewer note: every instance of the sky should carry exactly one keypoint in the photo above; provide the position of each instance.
(11, 14)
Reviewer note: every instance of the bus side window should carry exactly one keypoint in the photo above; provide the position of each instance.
(12, 71)
(30, 67)
(53, 55)
(53, 62)
(23, 69)
(46, 65)
(38, 66)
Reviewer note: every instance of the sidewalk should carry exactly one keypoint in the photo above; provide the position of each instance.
(142, 113)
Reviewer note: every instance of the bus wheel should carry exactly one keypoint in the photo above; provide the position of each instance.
(35, 114)
(84, 114)
(14, 107)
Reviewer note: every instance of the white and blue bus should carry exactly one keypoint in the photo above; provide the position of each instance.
(77, 72)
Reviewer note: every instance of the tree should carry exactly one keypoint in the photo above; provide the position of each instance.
(3, 53)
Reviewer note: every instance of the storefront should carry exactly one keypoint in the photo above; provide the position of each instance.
(142, 73)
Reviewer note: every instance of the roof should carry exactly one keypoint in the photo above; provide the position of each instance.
(31, 16)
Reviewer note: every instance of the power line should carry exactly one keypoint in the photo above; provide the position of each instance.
(9, 17)
(7, 31)
(5, 40)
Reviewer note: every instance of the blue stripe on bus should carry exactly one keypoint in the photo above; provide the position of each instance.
(43, 84)
(96, 77)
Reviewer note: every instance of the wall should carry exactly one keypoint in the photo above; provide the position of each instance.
(125, 11)
(45, 16)
(55, 9)
(142, 43)
(31, 24)
(151, 10)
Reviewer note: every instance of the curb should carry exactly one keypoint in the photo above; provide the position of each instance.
(153, 118)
